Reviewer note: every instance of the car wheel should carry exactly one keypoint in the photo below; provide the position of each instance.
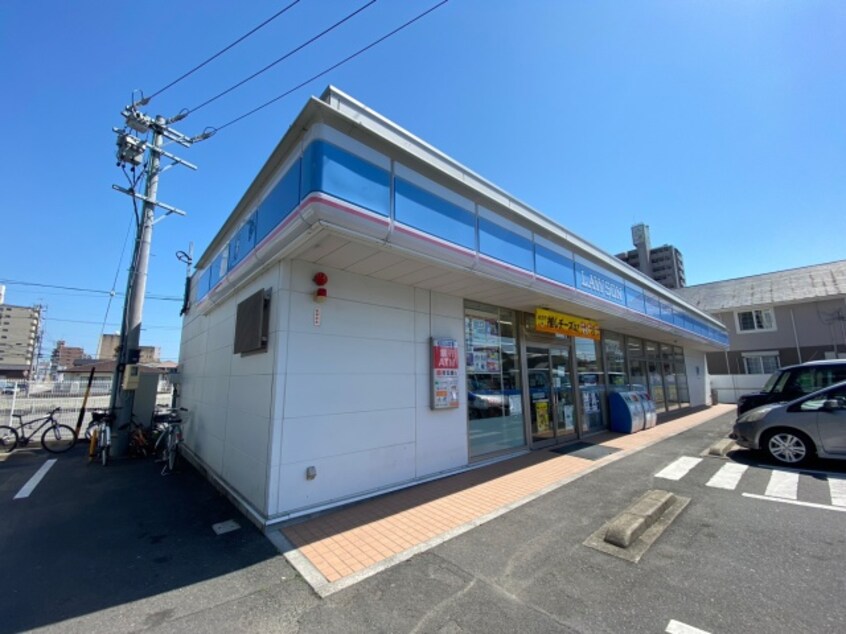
(789, 447)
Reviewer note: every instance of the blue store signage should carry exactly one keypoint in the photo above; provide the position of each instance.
(596, 283)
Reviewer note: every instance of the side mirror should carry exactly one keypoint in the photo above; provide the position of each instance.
(831, 404)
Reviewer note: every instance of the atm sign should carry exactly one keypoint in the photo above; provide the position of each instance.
(444, 354)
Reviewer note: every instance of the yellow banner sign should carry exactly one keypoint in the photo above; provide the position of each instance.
(562, 324)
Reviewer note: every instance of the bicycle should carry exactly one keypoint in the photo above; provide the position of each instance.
(168, 424)
(99, 434)
(57, 438)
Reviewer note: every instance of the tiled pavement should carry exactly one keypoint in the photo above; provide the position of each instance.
(339, 548)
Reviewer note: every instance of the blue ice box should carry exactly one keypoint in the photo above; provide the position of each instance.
(627, 413)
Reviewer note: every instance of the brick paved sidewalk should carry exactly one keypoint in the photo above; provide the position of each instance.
(339, 548)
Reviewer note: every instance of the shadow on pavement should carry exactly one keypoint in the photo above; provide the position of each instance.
(759, 459)
(90, 538)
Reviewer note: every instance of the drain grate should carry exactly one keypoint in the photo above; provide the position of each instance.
(586, 450)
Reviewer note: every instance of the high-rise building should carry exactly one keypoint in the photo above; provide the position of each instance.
(663, 264)
(19, 331)
(64, 356)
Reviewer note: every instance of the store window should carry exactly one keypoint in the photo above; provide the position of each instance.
(591, 384)
(637, 365)
(615, 362)
(653, 373)
(668, 369)
(681, 378)
(494, 386)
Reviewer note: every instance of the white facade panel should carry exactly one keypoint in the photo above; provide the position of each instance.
(440, 435)
(310, 396)
(229, 396)
(352, 287)
(332, 355)
(340, 318)
(251, 394)
(318, 437)
(247, 476)
(208, 447)
(344, 476)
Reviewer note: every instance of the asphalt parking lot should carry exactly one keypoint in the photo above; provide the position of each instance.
(122, 549)
(88, 538)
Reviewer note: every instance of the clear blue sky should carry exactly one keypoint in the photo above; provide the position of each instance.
(722, 125)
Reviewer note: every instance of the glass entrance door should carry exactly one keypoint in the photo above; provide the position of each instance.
(551, 397)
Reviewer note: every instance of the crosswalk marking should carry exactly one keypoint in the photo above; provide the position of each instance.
(783, 484)
(679, 468)
(837, 489)
(728, 476)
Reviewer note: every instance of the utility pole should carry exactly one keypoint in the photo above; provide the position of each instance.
(131, 150)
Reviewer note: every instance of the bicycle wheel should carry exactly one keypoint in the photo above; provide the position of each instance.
(58, 438)
(105, 446)
(8, 438)
(172, 447)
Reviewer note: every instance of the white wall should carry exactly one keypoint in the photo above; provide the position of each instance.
(697, 377)
(729, 386)
(354, 391)
(229, 396)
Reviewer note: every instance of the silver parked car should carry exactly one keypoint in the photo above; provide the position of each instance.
(793, 433)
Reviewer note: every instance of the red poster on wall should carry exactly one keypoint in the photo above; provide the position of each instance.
(444, 373)
(444, 357)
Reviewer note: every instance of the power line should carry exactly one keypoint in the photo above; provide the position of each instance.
(223, 50)
(167, 298)
(284, 57)
(97, 323)
(331, 68)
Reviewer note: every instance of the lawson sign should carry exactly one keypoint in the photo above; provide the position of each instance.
(591, 281)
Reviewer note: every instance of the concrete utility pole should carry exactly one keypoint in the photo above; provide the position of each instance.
(131, 150)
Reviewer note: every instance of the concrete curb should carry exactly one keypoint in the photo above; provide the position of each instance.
(722, 447)
(633, 522)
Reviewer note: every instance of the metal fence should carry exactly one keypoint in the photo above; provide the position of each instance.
(32, 399)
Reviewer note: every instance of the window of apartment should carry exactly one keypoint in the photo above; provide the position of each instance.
(755, 320)
(761, 362)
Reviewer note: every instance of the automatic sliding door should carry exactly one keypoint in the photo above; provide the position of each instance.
(551, 394)
(564, 392)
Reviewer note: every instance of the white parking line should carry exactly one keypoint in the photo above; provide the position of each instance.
(837, 488)
(783, 484)
(812, 505)
(728, 476)
(677, 627)
(29, 487)
(678, 469)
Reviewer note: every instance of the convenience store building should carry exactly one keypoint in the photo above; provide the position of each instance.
(373, 314)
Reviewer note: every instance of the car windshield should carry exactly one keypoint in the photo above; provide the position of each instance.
(768, 386)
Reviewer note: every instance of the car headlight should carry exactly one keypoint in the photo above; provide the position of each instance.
(754, 415)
